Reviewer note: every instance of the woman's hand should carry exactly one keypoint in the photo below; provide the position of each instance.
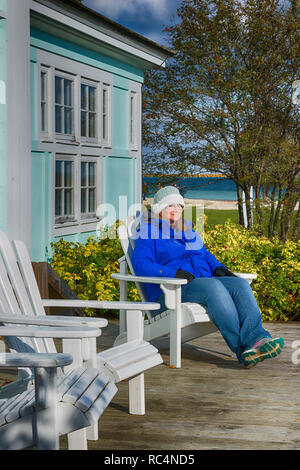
(181, 274)
(222, 271)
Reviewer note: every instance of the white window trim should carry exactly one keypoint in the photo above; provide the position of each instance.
(133, 120)
(65, 137)
(79, 73)
(107, 143)
(98, 172)
(135, 93)
(74, 220)
(79, 224)
(45, 135)
(97, 139)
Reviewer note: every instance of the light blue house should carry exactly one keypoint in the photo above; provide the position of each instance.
(70, 119)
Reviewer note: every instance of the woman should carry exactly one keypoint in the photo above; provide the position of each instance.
(167, 246)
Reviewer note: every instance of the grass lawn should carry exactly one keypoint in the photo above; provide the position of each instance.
(216, 216)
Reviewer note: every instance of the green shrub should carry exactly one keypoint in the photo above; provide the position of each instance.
(87, 268)
(276, 264)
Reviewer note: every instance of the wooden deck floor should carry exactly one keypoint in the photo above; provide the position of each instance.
(212, 402)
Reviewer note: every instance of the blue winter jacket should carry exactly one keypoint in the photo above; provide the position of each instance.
(160, 251)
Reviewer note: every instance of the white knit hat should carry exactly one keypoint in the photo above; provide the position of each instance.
(167, 196)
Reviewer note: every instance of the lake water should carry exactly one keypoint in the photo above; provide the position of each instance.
(215, 188)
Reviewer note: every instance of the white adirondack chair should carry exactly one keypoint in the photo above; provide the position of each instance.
(55, 406)
(182, 322)
(20, 300)
(73, 338)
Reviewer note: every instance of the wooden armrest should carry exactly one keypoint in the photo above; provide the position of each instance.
(99, 304)
(49, 332)
(246, 275)
(166, 280)
(150, 280)
(34, 360)
(55, 320)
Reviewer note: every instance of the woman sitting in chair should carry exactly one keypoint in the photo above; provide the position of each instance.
(167, 246)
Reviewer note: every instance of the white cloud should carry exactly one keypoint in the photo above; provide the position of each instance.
(114, 8)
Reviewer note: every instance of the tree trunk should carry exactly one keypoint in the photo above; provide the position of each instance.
(295, 233)
(240, 204)
(289, 204)
(248, 208)
(258, 209)
(272, 212)
(277, 213)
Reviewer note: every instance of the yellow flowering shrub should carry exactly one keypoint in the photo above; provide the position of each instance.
(276, 264)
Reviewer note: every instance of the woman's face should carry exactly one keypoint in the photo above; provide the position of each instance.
(172, 213)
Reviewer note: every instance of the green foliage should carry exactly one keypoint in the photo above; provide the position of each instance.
(87, 267)
(276, 264)
(217, 216)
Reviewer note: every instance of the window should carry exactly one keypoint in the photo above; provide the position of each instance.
(88, 111)
(105, 114)
(77, 192)
(88, 189)
(64, 190)
(45, 98)
(75, 102)
(133, 116)
(64, 106)
(44, 101)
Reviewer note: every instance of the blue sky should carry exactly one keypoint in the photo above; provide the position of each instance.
(146, 17)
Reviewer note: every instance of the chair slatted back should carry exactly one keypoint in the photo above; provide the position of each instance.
(27, 273)
(16, 299)
(8, 303)
(127, 235)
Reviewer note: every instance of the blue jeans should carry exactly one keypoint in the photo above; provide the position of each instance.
(231, 306)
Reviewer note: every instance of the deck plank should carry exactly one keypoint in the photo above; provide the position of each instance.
(212, 402)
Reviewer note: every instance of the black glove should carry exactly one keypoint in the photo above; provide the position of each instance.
(181, 274)
(222, 271)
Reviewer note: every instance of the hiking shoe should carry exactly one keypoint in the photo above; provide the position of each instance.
(266, 348)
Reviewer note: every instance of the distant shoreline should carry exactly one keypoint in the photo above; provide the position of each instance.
(205, 203)
(206, 175)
